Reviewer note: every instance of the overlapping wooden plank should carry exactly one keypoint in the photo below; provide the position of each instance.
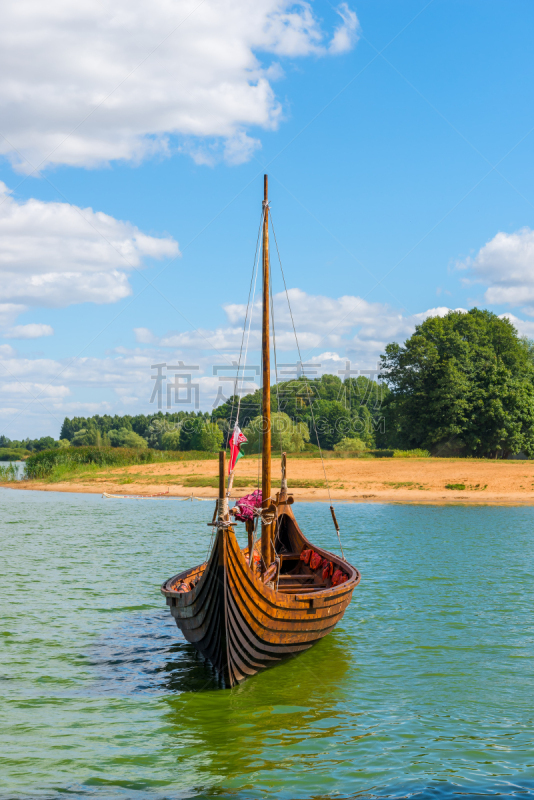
(291, 622)
(245, 641)
(240, 658)
(273, 600)
(278, 649)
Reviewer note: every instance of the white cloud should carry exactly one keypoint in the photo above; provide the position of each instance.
(9, 312)
(346, 34)
(523, 327)
(507, 264)
(350, 329)
(348, 324)
(8, 411)
(29, 389)
(55, 254)
(144, 336)
(86, 83)
(33, 330)
(86, 409)
(313, 313)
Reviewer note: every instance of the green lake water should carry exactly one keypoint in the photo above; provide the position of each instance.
(425, 689)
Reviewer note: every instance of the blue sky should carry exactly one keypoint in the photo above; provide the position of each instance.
(398, 137)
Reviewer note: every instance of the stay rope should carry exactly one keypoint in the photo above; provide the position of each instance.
(275, 532)
(308, 391)
(248, 316)
(251, 293)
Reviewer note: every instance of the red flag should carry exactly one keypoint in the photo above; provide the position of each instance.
(236, 441)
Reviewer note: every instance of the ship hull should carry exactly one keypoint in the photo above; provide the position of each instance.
(242, 626)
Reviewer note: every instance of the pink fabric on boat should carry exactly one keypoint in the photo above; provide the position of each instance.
(244, 508)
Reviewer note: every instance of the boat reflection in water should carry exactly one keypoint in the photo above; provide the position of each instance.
(246, 739)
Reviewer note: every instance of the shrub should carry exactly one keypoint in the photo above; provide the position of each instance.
(40, 465)
(11, 454)
(417, 453)
(350, 444)
(126, 438)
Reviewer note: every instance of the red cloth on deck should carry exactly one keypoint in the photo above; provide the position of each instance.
(328, 569)
(315, 561)
(305, 556)
(339, 577)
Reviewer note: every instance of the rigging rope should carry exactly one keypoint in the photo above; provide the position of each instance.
(277, 525)
(250, 307)
(253, 281)
(307, 385)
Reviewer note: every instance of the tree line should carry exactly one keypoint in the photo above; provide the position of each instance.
(340, 410)
(462, 384)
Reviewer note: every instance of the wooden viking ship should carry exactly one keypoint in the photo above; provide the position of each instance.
(246, 609)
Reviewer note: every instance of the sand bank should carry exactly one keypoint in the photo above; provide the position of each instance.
(361, 480)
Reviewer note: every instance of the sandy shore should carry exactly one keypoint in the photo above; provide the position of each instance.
(361, 480)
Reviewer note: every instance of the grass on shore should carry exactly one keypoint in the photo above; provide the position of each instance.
(94, 473)
(8, 474)
(406, 485)
(51, 463)
(315, 453)
(246, 482)
(460, 487)
(83, 463)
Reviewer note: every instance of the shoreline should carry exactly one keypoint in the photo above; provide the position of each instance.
(386, 480)
(410, 497)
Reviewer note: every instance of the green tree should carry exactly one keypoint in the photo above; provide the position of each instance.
(86, 436)
(356, 399)
(44, 443)
(157, 428)
(125, 437)
(208, 437)
(286, 435)
(461, 383)
(199, 433)
(72, 426)
(333, 422)
(171, 440)
(225, 414)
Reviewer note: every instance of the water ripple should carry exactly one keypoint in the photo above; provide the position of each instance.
(423, 691)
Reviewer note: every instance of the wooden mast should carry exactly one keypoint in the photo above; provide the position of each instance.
(266, 548)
